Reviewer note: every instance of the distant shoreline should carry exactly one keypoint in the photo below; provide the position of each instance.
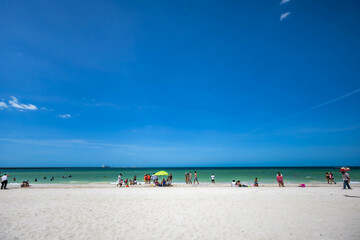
(247, 167)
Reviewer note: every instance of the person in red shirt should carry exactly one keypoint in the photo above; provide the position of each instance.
(280, 179)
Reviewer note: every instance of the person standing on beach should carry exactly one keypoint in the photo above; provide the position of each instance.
(195, 178)
(212, 178)
(186, 178)
(256, 183)
(346, 179)
(4, 181)
(327, 177)
(280, 179)
(119, 183)
(190, 181)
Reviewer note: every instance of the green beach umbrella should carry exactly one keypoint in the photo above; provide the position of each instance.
(161, 173)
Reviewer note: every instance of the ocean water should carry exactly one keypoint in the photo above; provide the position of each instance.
(222, 175)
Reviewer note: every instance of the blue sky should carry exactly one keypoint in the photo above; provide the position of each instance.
(179, 83)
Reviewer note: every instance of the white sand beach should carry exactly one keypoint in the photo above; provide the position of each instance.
(196, 212)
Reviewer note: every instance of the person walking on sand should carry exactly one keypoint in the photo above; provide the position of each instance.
(212, 178)
(190, 181)
(280, 179)
(346, 179)
(4, 181)
(186, 178)
(331, 176)
(195, 177)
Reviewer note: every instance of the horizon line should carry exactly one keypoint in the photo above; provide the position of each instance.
(305, 166)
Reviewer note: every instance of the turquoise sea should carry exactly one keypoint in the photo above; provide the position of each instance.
(222, 175)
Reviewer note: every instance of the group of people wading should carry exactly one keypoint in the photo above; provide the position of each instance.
(188, 178)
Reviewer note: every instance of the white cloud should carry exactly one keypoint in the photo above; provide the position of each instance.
(21, 106)
(64, 116)
(45, 109)
(3, 105)
(284, 1)
(284, 15)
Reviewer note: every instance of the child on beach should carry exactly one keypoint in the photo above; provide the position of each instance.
(256, 184)
(238, 184)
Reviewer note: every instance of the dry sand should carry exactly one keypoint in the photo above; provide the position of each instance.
(196, 212)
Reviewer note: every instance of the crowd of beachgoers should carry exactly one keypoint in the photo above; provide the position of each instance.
(147, 180)
(155, 179)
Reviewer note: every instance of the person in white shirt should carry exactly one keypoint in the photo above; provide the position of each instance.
(4, 181)
(233, 184)
(119, 182)
(212, 178)
(346, 179)
(154, 177)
